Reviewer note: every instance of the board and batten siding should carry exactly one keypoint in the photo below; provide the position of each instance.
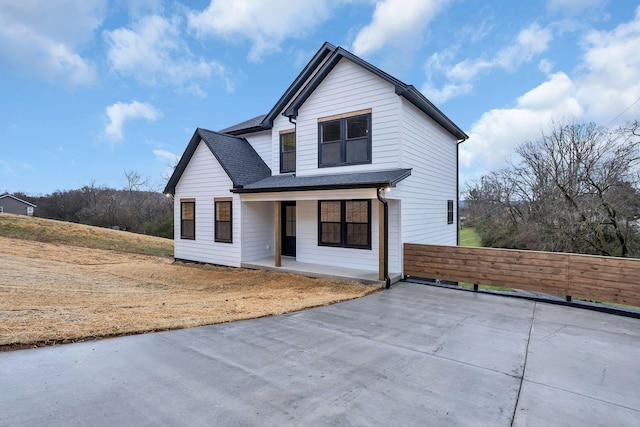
(203, 180)
(258, 234)
(431, 153)
(346, 89)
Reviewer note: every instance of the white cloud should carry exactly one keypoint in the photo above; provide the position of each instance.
(266, 24)
(153, 52)
(43, 36)
(166, 156)
(529, 43)
(605, 84)
(396, 21)
(121, 112)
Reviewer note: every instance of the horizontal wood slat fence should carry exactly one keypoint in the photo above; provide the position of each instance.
(597, 278)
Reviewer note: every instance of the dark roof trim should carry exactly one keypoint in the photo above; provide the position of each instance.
(304, 75)
(407, 91)
(314, 183)
(18, 199)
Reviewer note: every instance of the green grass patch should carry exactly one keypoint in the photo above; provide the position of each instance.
(469, 237)
(67, 233)
(484, 287)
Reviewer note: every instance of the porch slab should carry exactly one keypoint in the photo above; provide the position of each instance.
(291, 265)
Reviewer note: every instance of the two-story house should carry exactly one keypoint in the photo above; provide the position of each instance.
(348, 165)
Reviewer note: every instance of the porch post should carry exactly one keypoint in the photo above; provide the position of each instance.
(381, 241)
(278, 228)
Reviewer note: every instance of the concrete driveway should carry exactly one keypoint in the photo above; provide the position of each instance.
(411, 355)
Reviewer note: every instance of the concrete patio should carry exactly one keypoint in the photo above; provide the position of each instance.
(291, 265)
(411, 355)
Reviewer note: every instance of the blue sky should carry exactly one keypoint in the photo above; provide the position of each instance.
(90, 89)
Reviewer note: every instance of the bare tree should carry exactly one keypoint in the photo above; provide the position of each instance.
(574, 189)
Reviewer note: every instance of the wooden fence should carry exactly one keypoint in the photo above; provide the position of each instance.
(603, 279)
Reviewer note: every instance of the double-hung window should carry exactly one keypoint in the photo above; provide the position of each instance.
(344, 223)
(344, 140)
(223, 220)
(188, 219)
(287, 151)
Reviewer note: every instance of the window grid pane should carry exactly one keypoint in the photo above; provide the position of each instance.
(330, 131)
(345, 141)
(345, 223)
(223, 228)
(357, 127)
(187, 220)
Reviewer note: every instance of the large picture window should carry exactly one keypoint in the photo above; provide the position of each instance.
(223, 221)
(344, 141)
(188, 219)
(344, 223)
(287, 152)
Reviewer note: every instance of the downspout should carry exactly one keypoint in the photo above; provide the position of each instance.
(382, 200)
(460, 141)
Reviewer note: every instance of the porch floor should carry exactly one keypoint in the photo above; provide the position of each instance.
(291, 265)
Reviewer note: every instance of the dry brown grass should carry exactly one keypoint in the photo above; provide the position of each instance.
(54, 293)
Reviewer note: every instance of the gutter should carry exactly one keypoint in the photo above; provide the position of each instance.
(382, 200)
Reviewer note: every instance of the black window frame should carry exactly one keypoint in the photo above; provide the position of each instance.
(344, 141)
(282, 152)
(183, 221)
(217, 222)
(344, 225)
(449, 211)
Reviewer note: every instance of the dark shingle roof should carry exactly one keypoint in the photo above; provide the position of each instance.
(290, 182)
(237, 157)
(248, 126)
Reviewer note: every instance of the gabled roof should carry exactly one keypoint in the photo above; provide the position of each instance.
(19, 200)
(266, 121)
(302, 91)
(237, 157)
(290, 182)
(407, 91)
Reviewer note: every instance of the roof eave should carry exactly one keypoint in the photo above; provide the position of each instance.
(304, 75)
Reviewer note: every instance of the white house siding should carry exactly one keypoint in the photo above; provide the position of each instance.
(261, 142)
(204, 179)
(346, 89)
(258, 233)
(395, 245)
(431, 152)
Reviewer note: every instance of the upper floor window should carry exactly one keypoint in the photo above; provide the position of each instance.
(188, 219)
(287, 151)
(449, 211)
(344, 140)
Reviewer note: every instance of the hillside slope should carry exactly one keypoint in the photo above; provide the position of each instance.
(86, 236)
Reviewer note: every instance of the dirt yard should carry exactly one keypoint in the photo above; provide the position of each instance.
(54, 293)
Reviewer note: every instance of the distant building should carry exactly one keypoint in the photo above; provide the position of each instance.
(14, 205)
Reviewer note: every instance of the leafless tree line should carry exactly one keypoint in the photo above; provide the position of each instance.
(135, 207)
(574, 189)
